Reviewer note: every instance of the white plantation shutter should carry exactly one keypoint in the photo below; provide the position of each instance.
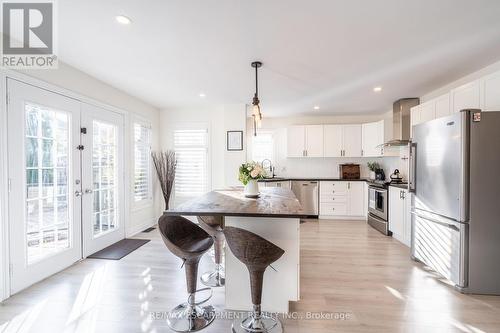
(191, 151)
(263, 147)
(142, 168)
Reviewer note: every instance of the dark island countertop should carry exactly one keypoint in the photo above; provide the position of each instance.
(273, 202)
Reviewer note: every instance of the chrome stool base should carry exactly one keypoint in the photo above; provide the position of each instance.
(214, 279)
(265, 324)
(184, 318)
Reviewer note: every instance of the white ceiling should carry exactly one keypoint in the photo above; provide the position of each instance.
(329, 53)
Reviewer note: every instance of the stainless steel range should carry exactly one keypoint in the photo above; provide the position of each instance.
(378, 210)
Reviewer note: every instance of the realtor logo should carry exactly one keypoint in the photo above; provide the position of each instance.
(28, 35)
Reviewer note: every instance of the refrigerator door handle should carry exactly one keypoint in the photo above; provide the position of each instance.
(448, 225)
(412, 186)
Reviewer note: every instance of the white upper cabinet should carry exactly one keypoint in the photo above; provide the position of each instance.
(305, 141)
(427, 111)
(342, 140)
(490, 92)
(314, 141)
(466, 97)
(442, 106)
(430, 110)
(372, 138)
(333, 140)
(352, 140)
(296, 141)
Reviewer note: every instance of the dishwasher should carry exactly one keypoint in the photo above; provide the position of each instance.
(307, 194)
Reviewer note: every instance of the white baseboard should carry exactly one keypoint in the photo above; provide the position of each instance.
(139, 228)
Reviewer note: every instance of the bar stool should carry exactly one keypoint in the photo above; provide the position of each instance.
(189, 242)
(213, 226)
(256, 253)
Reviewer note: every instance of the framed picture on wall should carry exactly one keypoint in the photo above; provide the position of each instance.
(234, 140)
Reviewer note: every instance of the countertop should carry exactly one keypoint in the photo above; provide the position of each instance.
(273, 202)
(403, 185)
(281, 179)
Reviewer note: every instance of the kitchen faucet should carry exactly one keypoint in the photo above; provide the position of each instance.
(270, 167)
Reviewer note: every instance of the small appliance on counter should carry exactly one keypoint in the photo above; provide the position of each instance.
(349, 171)
(379, 174)
(396, 177)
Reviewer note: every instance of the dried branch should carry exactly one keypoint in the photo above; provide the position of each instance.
(165, 165)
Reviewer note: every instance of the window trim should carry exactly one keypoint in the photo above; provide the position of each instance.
(145, 203)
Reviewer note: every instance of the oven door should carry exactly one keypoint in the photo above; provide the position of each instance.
(377, 202)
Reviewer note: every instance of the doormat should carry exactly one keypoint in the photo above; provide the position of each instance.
(149, 229)
(119, 249)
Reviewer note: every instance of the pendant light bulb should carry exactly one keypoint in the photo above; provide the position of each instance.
(256, 113)
(256, 110)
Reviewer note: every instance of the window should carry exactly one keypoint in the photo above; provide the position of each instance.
(263, 147)
(191, 149)
(142, 169)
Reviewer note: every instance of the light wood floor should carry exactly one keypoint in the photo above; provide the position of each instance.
(347, 269)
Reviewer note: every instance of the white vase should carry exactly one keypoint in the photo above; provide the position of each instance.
(251, 188)
(372, 175)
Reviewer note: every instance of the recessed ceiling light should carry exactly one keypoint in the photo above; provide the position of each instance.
(122, 19)
(377, 89)
(316, 107)
(202, 95)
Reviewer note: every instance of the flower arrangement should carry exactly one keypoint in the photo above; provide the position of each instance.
(251, 171)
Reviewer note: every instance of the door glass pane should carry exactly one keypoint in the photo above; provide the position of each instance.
(104, 173)
(47, 201)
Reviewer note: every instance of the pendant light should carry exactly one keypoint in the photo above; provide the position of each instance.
(256, 114)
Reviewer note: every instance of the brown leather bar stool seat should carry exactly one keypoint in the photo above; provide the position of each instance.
(189, 242)
(256, 253)
(213, 226)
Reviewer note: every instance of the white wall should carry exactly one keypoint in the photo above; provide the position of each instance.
(219, 119)
(323, 167)
(76, 81)
(72, 82)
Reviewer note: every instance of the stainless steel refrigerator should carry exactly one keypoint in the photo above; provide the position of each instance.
(454, 176)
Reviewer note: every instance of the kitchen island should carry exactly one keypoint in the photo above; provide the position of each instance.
(275, 216)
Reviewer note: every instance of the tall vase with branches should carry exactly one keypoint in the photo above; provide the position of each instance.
(165, 164)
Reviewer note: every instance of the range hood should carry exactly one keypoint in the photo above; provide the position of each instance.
(401, 122)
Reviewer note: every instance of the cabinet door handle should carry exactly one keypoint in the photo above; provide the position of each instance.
(333, 198)
(333, 208)
(333, 191)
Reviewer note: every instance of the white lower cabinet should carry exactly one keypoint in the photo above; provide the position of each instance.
(342, 199)
(400, 214)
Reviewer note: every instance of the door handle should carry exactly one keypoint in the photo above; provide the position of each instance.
(448, 225)
(88, 191)
(413, 167)
(78, 193)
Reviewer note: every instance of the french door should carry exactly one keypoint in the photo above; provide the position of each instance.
(102, 179)
(63, 184)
